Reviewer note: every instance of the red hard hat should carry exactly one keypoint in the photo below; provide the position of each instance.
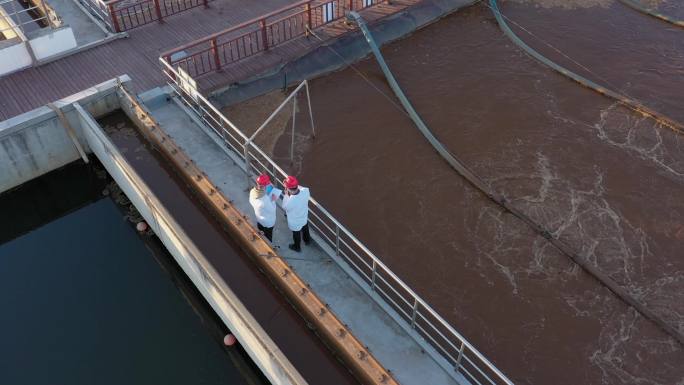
(263, 180)
(291, 182)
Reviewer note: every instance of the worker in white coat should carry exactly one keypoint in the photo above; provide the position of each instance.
(263, 199)
(296, 206)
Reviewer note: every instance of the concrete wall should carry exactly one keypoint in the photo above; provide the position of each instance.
(35, 143)
(14, 57)
(53, 42)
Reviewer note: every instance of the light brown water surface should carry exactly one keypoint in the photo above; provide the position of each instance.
(602, 178)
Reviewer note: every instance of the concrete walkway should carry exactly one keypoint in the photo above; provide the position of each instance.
(389, 342)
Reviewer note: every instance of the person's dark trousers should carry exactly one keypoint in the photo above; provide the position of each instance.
(268, 231)
(297, 236)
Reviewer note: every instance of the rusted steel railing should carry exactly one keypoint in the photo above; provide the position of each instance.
(215, 51)
(124, 15)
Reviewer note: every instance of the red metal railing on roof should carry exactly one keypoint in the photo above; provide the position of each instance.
(124, 15)
(213, 52)
(128, 15)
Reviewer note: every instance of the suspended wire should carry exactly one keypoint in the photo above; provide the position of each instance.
(363, 76)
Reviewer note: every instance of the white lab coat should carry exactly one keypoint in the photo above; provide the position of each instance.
(297, 209)
(265, 207)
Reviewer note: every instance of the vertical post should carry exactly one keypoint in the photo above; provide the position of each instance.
(205, 3)
(214, 50)
(247, 163)
(457, 366)
(18, 23)
(351, 5)
(115, 21)
(294, 114)
(337, 240)
(414, 312)
(374, 273)
(264, 37)
(157, 9)
(308, 99)
(309, 26)
(170, 69)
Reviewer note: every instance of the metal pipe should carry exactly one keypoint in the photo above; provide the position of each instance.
(308, 100)
(274, 113)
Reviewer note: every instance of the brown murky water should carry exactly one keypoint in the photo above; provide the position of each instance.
(602, 178)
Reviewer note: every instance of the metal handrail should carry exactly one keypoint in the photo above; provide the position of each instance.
(212, 52)
(244, 24)
(420, 309)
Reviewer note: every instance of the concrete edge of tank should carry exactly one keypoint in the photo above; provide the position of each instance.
(35, 143)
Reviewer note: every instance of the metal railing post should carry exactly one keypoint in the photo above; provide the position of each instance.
(414, 312)
(112, 15)
(214, 49)
(168, 61)
(294, 114)
(374, 273)
(157, 9)
(248, 164)
(264, 36)
(457, 366)
(337, 240)
(351, 5)
(308, 15)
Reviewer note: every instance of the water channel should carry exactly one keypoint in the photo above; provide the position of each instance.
(85, 299)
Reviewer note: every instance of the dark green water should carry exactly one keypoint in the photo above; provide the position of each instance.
(85, 300)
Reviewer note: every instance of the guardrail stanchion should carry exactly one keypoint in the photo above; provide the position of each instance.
(457, 366)
(264, 37)
(309, 26)
(214, 49)
(337, 240)
(115, 21)
(294, 114)
(157, 9)
(414, 312)
(248, 164)
(374, 273)
(172, 74)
